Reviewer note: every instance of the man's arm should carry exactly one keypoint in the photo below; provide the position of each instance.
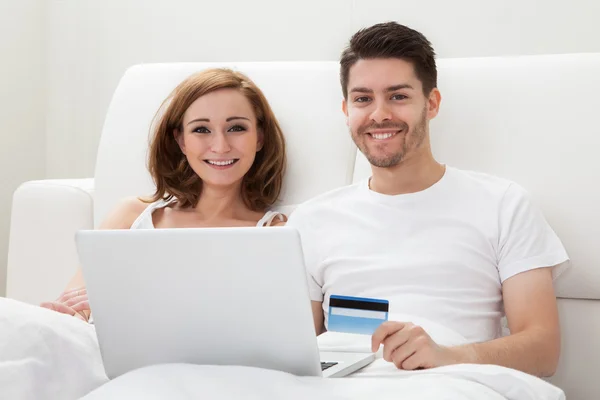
(534, 343)
(317, 310)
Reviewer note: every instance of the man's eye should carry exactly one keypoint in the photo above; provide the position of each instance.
(399, 97)
(237, 128)
(201, 129)
(362, 99)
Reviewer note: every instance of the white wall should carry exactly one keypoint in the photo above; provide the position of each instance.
(22, 107)
(91, 44)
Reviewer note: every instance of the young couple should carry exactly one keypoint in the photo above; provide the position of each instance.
(459, 248)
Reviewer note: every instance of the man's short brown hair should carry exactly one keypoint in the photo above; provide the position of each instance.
(391, 40)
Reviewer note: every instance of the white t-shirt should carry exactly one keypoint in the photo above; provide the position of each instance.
(441, 254)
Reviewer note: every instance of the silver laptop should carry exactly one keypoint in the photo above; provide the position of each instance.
(216, 296)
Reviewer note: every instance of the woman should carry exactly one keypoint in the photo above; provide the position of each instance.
(217, 158)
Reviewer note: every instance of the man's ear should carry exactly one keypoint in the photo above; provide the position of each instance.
(345, 109)
(178, 135)
(433, 103)
(260, 140)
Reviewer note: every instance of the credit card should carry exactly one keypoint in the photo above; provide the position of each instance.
(356, 314)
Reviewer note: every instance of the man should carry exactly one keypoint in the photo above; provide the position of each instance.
(453, 247)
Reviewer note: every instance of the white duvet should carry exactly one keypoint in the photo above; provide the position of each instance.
(46, 355)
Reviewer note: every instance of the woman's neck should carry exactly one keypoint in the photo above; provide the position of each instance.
(221, 203)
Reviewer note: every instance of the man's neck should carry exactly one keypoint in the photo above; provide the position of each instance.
(409, 176)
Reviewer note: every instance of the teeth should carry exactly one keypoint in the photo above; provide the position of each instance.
(221, 163)
(382, 135)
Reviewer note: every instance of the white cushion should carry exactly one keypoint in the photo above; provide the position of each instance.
(42, 257)
(305, 96)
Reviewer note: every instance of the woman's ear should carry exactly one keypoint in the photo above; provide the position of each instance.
(260, 141)
(178, 135)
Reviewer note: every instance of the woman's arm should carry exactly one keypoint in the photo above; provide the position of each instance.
(74, 299)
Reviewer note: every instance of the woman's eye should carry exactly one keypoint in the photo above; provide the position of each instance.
(399, 97)
(237, 128)
(201, 129)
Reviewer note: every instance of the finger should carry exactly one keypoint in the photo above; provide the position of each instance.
(81, 317)
(74, 300)
(81, 306)
(394, 342)
(61, 308)
(413, 362)
(71, 293)
(74, 289)
(58, 307)
(383, 331)
(402, 353)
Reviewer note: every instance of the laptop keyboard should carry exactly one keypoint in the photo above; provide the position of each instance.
(325, 365)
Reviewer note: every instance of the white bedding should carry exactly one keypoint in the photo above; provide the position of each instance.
(45, 355)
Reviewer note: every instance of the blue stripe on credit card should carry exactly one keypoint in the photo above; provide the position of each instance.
(356, 314)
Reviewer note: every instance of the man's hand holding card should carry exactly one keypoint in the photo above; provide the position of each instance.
(409, 347)
(406, 345)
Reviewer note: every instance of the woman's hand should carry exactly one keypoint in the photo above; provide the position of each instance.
(72, 302)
